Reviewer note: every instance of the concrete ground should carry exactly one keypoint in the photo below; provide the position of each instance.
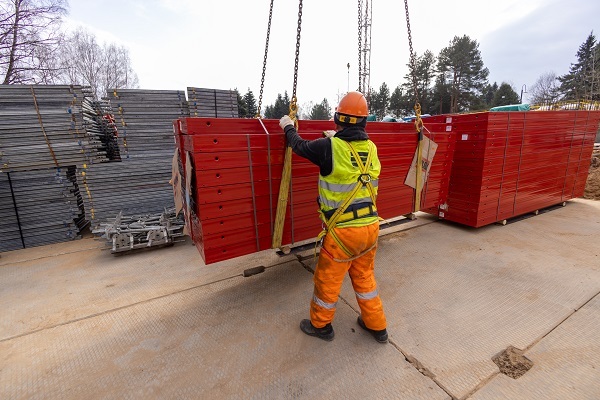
(78, 322)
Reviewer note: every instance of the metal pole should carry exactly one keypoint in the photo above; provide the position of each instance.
(523, 87)
(348, 90)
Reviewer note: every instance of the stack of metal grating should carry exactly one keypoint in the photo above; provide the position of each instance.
(101, 129)
(42, 140)
(138, 185)
(67, 159)
(42, 127)
(47, 206)
(212, 103)
(9, 222)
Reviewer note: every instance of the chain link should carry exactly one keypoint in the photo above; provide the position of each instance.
(294, 99)
(360, 45)
(413, 67)
(264, 69)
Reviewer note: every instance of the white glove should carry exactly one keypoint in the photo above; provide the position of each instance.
(285, 121)
(329, 134)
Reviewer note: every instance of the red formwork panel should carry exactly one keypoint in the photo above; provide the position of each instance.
(237, 166)
(512, 163)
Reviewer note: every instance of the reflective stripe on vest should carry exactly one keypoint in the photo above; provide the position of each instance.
(367, 296)
(332, 204)
(338, 187)
(335, 187)
(319, 302)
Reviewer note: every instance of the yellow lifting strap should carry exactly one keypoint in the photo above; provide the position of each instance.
(284, 188)
(286, 175)
(419, 161)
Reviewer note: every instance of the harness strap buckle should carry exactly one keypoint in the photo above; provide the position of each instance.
(364, 178)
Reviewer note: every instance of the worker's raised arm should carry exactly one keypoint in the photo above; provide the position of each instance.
(317, 151)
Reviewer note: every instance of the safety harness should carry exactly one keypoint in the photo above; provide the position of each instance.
(340, 214)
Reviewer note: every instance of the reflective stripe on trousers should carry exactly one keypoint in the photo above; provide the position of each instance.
(366, 296)
(329, 275)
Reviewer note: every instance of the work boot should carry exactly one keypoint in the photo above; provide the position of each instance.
(325, 333)
(381, 336)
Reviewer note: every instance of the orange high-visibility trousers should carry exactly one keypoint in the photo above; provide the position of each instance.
(334, 262)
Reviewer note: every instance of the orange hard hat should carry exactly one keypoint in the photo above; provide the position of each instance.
(354, 104)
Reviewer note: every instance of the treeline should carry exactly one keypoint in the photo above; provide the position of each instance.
(35, 50)
(247, 107)
(456, 80)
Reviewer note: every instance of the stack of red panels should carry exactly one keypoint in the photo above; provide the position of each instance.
(237, 166)
(511, 163)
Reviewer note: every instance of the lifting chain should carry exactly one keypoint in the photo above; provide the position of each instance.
(262, 81)
(294, 99)
(286, 174)
(413, 67)
(360, 45)
(418, 120)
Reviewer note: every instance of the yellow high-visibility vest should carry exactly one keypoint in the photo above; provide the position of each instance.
(335, 188)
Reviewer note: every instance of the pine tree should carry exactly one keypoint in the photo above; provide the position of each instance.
(441, 98)
(380, 101)
(242, 107)
(462, 67)
(250, 101)
(581, 81)
(280, 108)
(505, 95)
(425, 75)
(321, 111)
(488, 95)
(401, 103)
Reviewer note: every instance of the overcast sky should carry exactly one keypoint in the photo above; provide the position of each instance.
(220, 43)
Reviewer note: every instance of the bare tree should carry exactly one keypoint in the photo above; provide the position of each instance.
(80, 59)
(29, 34)
(83, 61)
(304, 110)
(545, 89)
(116, 71)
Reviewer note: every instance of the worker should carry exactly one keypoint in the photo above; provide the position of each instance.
(351, 243)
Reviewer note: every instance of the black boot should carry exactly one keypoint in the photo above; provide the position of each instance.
(381, 336)
(325, 333)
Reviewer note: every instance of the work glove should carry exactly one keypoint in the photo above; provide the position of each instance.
(285, 121)
(329, 134)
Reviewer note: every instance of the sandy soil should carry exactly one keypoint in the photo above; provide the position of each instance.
(512, 362)
(592, 187)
